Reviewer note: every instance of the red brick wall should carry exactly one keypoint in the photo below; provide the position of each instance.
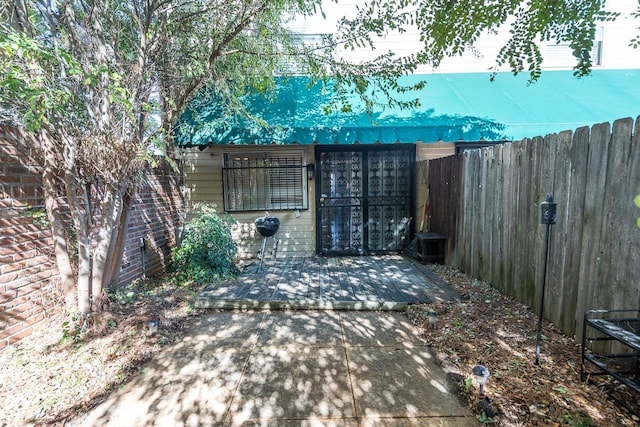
(29, 285)
(28, 276)
(156, 215)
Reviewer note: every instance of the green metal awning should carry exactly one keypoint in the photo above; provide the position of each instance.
(454, 107)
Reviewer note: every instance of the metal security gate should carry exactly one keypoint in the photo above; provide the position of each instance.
(365, 197)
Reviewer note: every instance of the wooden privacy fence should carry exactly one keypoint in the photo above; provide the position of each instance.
(487, 202)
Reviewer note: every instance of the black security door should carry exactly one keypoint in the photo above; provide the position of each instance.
(364, 198)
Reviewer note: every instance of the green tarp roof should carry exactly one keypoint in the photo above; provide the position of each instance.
(464, 106)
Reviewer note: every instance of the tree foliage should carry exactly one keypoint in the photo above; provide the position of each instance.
(449, 28)
(99, 82)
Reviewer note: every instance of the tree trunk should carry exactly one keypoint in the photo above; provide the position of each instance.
(83, 233)
(116, 250)
(110, 213)
(84, 276)
(80, 210)
(56, 222)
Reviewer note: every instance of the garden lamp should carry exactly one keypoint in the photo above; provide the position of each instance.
(547, 217)
(481, 374)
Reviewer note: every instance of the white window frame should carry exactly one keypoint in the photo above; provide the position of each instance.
(560, 55)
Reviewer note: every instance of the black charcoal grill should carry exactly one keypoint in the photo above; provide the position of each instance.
(267, 226)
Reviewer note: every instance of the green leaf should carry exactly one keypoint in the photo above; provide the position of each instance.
(468, 383)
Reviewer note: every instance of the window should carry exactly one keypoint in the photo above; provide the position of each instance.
(264, 181)
(561, 54)
(306, 46)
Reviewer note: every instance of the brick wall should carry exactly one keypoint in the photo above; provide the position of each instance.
(29, 284)
(156, 216)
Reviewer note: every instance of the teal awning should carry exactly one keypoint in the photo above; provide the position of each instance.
(454, 107)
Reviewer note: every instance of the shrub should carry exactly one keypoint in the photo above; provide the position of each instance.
(207, 252)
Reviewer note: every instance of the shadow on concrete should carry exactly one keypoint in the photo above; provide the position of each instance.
(388, 282)
(321, 368)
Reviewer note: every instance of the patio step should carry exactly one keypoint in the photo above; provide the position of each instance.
(369, 283)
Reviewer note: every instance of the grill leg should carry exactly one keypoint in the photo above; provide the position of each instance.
(261, 253)
(275, 247)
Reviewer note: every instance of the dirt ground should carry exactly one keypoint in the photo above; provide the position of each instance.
(52, 376)
(495, 331)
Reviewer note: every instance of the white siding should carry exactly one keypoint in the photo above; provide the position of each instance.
(615, 36)
(203, 183)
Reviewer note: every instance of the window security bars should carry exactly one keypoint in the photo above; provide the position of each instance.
(259, 182)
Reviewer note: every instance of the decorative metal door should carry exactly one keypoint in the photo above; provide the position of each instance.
(364, 198)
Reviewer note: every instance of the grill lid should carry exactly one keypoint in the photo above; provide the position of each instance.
(267, 225)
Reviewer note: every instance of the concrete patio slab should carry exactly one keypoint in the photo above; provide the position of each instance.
(225, 330)
(288, 369)
(305, 382)
(213, 303)
(175, 390)
(318, 422)
(420, 422)
(301, 328)
(370, 328)
(399, 382)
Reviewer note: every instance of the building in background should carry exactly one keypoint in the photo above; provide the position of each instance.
(348, 182)
(611, 45)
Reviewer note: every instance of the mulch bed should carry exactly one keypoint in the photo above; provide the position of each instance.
(498, 332)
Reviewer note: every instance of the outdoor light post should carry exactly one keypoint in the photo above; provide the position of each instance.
(548, 217)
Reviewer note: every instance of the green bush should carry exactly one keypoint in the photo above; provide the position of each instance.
(207, 252)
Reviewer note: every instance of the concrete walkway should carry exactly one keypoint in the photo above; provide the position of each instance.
(295, 368)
